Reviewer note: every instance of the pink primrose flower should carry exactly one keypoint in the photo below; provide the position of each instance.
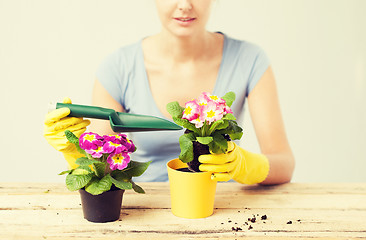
(128, 143)
(206, 108)
(191, 111)
(111, 147)
(115, 138)
(227, 110)
(203, 99)
(216, 99)
(118, 161)
(90, 140)
(118, 143)
(212, 112)
(198, 122)
(96, 153)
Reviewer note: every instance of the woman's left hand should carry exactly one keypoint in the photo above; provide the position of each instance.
(238, 164)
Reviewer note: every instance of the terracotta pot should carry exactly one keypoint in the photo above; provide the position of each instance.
(192, 194)
(105, 207)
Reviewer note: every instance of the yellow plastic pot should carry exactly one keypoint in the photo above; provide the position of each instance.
(192, 195)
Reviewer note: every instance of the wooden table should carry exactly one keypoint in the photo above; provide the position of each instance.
(305, 211)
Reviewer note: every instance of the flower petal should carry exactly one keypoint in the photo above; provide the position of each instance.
(118, 161)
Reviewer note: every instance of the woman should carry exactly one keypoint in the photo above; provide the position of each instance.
(178, 64)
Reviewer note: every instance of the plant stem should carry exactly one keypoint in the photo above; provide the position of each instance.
(203, 131)
(206, 130)
(210, 131)
(107, 168)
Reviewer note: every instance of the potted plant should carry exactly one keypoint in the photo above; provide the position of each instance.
(103, 174)
(209, 124)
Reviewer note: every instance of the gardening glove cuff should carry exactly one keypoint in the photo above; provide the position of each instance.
(238, 164)
(255, 168)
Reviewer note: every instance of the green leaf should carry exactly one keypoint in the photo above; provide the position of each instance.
(98, 186)
(229, 116)
(75, 140)
(218, 125)
(137, 188)
(223, 125)
(219, 144)
(121, 180)
(76, 182)
(186, 147)
(84, 161)
(71, 137)
(65, 172)
(81, 170)
(99, 168)
(204, 140)
(120, 175)
(236, 132)
(229, 98)
(214, 126)
(174, 109)
(135, 169)
(236, 136)
(185, 124)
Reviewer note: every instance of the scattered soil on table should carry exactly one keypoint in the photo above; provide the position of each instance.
(256, 218)
(236, 229)
(253, 219)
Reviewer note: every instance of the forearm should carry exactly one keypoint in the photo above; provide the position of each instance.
(102, 127)
(102, 98)
(281, 167)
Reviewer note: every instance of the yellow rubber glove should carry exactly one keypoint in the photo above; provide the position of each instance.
(238, 164)
(56, 123)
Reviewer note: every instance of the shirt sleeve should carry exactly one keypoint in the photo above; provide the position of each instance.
(109, 74)
(260, 65)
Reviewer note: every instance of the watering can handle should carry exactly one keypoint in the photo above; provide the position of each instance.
(87, 111)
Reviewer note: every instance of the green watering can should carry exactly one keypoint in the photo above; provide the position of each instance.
(120, 122)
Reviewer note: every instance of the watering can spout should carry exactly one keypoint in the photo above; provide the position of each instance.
(119, 121)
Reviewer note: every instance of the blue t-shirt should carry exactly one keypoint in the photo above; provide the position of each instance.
(123, 75)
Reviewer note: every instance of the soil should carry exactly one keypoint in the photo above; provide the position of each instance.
(198, 150)
(184, 169)
(249, 223)
(236, 229)
(253, 219)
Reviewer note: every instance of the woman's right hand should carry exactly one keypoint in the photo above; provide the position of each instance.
(56, 122)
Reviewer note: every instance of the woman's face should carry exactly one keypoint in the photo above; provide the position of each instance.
(184, 17)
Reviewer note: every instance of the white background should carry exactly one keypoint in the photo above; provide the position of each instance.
(51, 48)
